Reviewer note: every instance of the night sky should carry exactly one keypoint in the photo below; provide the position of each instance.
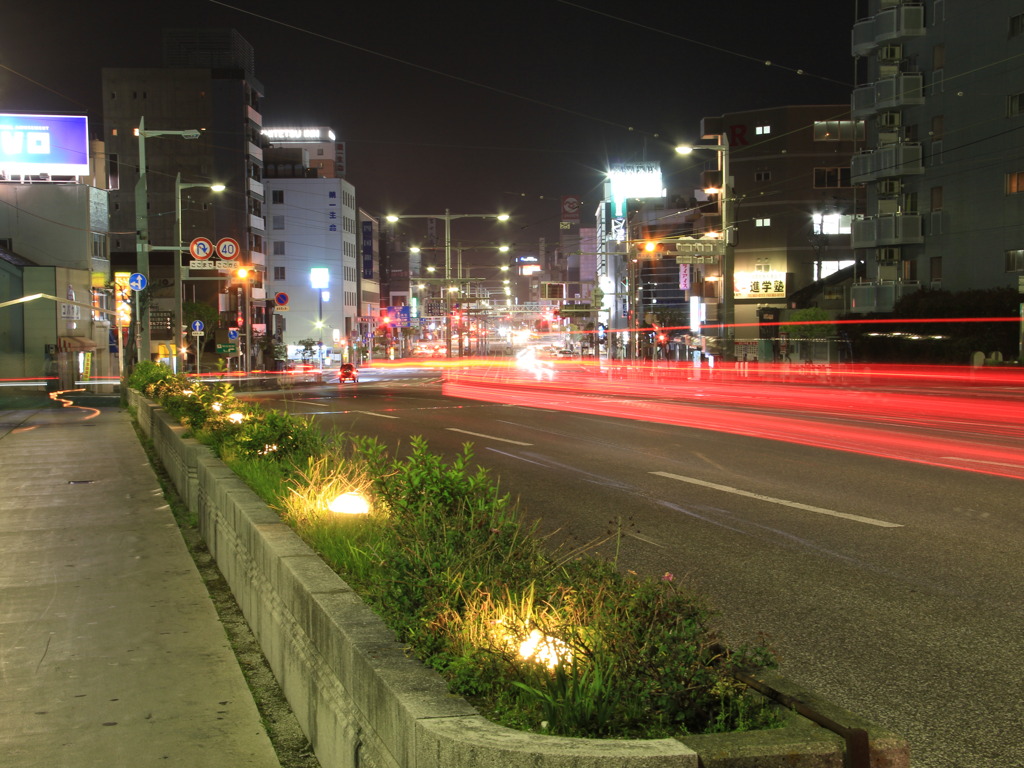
(473, 107)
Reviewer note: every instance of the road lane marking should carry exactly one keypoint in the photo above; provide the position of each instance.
(486, 437)
(981, 461)
(784, 502)
(374, 413)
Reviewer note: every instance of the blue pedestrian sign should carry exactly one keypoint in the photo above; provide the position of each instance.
(232, 334)
(137, 281)
(197, 325)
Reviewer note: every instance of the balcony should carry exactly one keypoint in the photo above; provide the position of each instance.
(891, 160)
(878, 231)
(255, 152)
(253, 115)
(903, 90)
(257, 223)
(880, 296)
(255, 188)
(888, 26)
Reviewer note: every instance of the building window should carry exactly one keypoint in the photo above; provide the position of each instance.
(1017, 25)
(831, 178)
(1015, 183)
(1014, 104)
(762, 176)
(937, 152)
(838, 130)
(762, 222)
(279, 248)
(1015, 261)
(936, 198)
(279, 273)
(831, 223)
(763, 266)
(762, 130)
(277, 222)
(277, 196)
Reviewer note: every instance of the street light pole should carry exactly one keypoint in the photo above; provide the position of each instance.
(728, 276)
(142, 246)
(179, 275)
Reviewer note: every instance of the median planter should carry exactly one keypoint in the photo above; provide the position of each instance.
(363, 702)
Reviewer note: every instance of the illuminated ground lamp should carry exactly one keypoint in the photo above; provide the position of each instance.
(350, 503)
(545, 650)
(236, 417)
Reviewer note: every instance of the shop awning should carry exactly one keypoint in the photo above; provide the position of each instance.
(75, 344)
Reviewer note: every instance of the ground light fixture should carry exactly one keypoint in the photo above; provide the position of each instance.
(350, 503)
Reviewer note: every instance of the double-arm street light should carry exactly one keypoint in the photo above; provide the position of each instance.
(142, 246)
(728, 278)
(448, 217)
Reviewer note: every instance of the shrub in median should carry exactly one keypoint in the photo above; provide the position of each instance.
(548, 641)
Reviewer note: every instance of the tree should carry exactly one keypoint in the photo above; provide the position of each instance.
(808, 325)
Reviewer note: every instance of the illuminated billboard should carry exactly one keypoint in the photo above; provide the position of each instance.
(31, 145)
(635, 180)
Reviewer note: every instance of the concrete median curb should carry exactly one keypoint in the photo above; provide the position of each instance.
(363, 702)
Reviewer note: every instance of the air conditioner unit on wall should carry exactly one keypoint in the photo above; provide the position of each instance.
(890, 119)
(888, 187)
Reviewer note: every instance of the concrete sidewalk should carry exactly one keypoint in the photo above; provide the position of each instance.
(111, 652)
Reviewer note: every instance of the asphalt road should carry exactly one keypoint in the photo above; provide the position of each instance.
(891, 587)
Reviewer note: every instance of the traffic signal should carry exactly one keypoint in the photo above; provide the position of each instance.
(648, 248)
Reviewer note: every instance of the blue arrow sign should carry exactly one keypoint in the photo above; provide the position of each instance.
(197, 325)
(137, 281)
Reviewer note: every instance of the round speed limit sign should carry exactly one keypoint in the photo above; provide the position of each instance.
(227, 248)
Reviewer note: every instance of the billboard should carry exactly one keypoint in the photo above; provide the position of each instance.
(31, 145)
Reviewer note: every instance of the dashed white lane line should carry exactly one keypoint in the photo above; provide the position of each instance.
(783, 502)
(374, 413)
(486, 437)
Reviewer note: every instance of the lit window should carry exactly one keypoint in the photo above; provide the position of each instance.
(831, 223)
(839, 130)
(1015, 183)
(762, 222)
(762, 130)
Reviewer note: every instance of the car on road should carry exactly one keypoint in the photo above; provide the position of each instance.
(348, 372)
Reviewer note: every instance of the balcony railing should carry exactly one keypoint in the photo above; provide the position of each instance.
(878, 231)
(902, 90)
(888, 26)
(889, 161)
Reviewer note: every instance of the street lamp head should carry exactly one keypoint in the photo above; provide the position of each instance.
(684, 149)
(503, 217)
(192, 134)
(503, 248)
(218, 187)
(391, 218)
(414, 249)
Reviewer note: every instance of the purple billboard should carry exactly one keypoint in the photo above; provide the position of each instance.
(57, 145)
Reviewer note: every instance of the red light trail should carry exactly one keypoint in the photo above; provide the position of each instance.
(961, 418)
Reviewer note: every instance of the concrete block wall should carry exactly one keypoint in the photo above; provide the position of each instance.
(363, 703)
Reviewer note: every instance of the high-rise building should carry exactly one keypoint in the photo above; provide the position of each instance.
(942, 96)
(207, 84)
